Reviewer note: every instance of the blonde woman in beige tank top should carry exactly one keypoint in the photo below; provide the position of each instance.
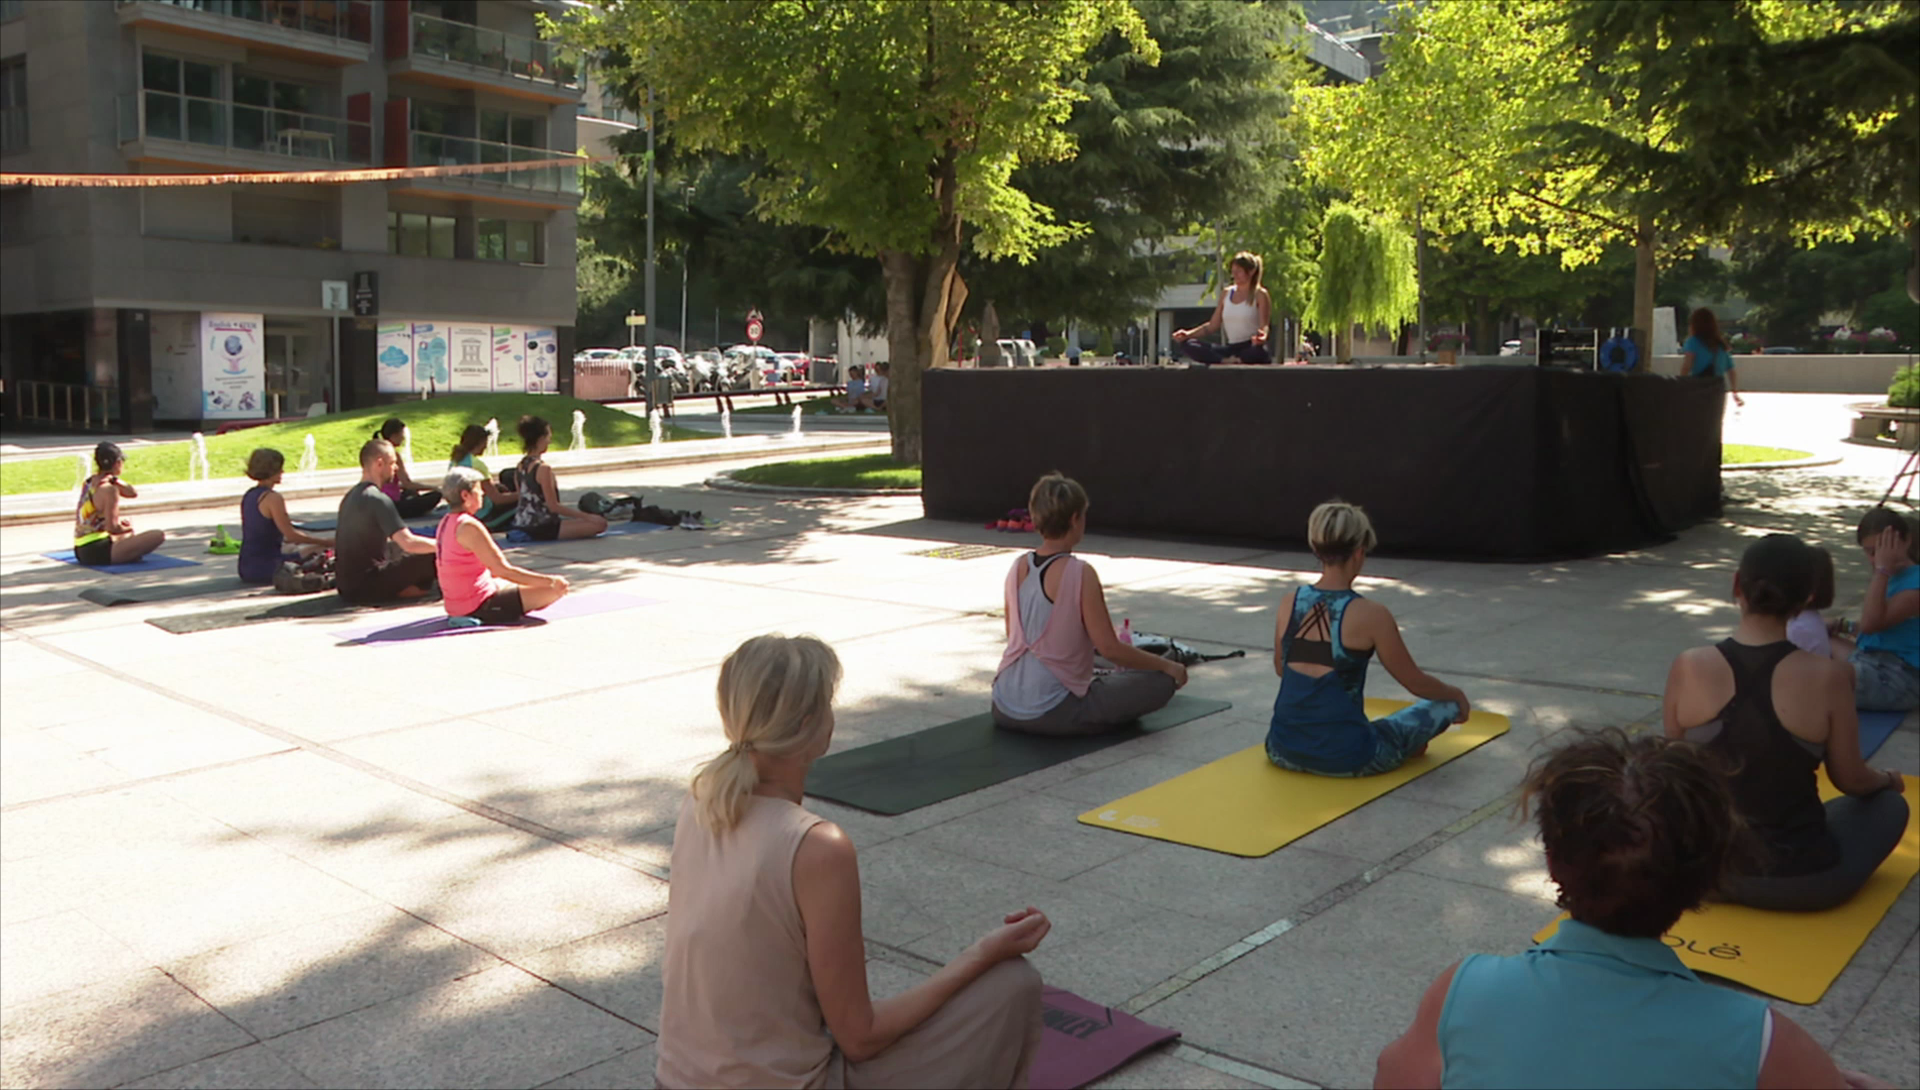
(765, 971)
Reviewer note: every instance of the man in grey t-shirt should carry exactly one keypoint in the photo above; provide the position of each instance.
(369, 529)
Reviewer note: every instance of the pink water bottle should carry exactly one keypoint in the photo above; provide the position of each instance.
(1126, 631)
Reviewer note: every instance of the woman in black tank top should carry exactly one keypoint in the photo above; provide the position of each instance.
(1773, 715)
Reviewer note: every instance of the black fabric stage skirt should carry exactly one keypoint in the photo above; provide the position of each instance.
(1499, 463)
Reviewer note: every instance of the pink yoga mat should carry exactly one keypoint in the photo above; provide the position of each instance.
(1085, 1041)
(573, 605)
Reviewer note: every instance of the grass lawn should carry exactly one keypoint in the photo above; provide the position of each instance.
(435, 423)
(1737, 454)
(860, 471)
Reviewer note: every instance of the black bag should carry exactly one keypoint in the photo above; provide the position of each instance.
(1169, 648)
(309, 576)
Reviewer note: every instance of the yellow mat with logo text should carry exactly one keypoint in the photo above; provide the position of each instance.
(1242, 805)
(1795, 956)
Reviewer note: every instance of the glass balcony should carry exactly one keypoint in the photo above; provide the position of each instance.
(495, 51)
(433, 149)
(346, 20)
(215, 123)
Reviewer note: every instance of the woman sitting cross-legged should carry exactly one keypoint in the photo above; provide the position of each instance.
(475, 578)
(496, 504)
(1772, 714)
(539, 514)
(765, 972)
(1325, 637)
(1637, 832)
(264, 526)
(1056, 619)
(101, 535)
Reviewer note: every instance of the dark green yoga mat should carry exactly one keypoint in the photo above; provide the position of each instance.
(903, 774)
(322, 604)
(165, 592)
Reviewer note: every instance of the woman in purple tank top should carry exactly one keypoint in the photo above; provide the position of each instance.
(264, 526)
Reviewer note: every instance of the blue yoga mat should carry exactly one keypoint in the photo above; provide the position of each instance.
(149, 562)
(611, 531)
(1876, 728)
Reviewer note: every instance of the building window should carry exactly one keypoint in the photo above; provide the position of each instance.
(416, 234)
(509, 240)
(501, 127)
(264, 108)
(183, 98)
(13, 104)
(12, 9)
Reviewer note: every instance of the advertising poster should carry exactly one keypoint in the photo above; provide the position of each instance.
(509, 359)
(543, 362)
(395, 355)
(471, 350)
(430, 371)
(233, 373)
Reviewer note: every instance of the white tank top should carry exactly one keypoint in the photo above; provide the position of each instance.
(1239, 320)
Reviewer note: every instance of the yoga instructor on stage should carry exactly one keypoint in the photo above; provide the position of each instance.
(1243, 312)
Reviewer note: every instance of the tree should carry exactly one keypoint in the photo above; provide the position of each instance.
(1446, 139)
(893, 125)
(1791, 286)
(1366, 274)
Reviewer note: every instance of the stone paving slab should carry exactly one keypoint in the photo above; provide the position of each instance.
(441, 863)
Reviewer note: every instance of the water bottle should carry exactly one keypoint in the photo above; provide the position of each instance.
(1126, 631)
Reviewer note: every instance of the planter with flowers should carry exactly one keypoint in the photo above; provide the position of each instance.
(1744, 343)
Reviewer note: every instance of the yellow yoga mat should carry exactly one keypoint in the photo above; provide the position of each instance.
(1243, 805)
(1795, 956)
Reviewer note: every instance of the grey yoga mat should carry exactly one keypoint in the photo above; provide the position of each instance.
(903, 774)
(166, 592)
(321, 604)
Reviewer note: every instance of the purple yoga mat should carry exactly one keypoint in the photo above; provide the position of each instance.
(573, 605)
(1085, 1041)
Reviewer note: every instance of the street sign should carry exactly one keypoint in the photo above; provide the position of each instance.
(333, 295)
(756, 325)
(366, 294)
(636, 319)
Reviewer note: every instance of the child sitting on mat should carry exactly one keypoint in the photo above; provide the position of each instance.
(764, 978)
(1324, 638)
(1056, 620)
(1637, 832)
(1886, 656)
(1809, 629)
(1773, 714)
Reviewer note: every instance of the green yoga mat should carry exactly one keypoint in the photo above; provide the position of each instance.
(322, 604)
(903, 774)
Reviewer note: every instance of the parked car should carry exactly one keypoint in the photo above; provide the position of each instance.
(596, 355)
(792, 366)
(1512, 348)
(747, 367)
(1780, 350)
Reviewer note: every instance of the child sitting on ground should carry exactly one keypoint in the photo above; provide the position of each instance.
(1886, 656)
(1056, 620)
(1325, 636)
(1809, 630)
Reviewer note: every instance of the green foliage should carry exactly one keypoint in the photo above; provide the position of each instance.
(435, 425)
(1791, 287)
(1366, 272)
(1056, 345)
(1104, 346)
(859, 471)
(1904, 393)
(1734, 454)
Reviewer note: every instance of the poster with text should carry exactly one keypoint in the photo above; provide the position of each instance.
(395, 356)
(471, 351)
(543, 362)
(509, 359)
(430, 371)
(233, 372)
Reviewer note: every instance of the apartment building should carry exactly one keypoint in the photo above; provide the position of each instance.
(184, 304)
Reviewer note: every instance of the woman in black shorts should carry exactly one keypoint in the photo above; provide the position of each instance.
(100, 535)
(540, 515)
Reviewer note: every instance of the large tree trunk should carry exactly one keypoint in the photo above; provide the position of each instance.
(924, 295)
(1644, 240)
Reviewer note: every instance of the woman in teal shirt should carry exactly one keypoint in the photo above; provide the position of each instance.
(1637, 831)
(1706, 351)
(1886, 657)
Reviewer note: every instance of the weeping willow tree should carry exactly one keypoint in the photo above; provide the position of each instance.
(1366, 276)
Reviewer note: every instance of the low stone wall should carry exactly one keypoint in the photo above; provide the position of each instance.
(1850, 374)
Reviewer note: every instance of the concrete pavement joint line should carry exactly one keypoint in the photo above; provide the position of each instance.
(1239, 1069)
(145, 780)
(473, 806)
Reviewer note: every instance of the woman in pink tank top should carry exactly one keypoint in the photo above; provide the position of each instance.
(475, 578)
(765, 972)
(1056, 620)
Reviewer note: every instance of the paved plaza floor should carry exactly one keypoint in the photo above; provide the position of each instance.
(261, 857)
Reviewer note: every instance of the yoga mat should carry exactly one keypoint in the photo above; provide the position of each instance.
(149, 562)
(944, 762)
(164, 592)
(1082, 1041)
(1795, 956)
(612, 530)
(1242, 805)
(1876, 728)
(573, 605)
(281, 607)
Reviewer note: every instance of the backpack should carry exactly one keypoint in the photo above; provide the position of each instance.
(309, 576)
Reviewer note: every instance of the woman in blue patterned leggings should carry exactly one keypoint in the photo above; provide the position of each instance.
(1323, 641)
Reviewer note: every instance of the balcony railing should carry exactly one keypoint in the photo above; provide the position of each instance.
(432, 149)
(162, 115)
(346, 20)
(493, 50)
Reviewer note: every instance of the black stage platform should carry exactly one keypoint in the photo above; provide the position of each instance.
(1500, 463)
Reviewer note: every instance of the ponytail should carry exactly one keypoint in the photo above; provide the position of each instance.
(776, 698)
